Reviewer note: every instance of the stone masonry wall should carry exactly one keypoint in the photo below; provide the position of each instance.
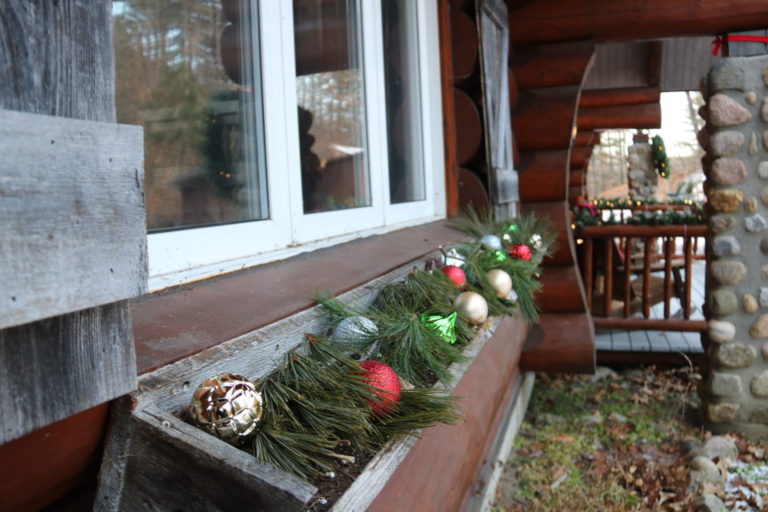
(643, 179)
(736, 141)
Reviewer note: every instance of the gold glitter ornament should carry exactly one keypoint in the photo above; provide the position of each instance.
(500, 282)
(228, 406)
(472, 306)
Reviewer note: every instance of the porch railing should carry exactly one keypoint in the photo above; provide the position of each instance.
(611, 255)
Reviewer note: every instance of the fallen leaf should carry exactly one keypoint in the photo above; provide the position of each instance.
(562, 438)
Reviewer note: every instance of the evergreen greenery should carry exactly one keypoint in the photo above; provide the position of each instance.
(659, 155)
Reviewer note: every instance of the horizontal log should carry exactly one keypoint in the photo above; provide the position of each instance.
(624, 20)
(464, 45)
(579, 156)
(472, 191)
(643, 231)
(543, 175)
(514, 89)
(544, 118)
(469, 127)
(621, 96)
(586, 137)
(576, 178)
(561, 290)
(645, 115)
(562, 342)
(558, 213)
(650, 324)
(72, 204)
(552, 65)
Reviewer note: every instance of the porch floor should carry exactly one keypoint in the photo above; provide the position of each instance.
(613, 340)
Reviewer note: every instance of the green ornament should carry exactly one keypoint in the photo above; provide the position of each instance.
(512, 228)
(493, 257)
(444, 326)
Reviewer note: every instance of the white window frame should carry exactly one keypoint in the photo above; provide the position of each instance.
(177, 257)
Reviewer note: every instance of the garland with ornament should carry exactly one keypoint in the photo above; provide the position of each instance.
(369, 377)
(659, 155)
(589, 214)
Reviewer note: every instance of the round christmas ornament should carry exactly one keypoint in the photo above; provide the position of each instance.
(227, 406)
(455, 275)
(472, 307)
(386, 386)
(500, 282)
(452, 257)
(536, 241)
(493, 257)
(351, 332)
(520, 252)
(491, 242)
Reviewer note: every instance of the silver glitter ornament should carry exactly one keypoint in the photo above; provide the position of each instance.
(491, 242)
(353, 331)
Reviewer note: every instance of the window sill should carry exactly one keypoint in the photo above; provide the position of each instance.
(185, 320)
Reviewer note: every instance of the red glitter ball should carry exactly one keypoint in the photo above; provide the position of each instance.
(455, 275)
(387, 386)
(520, 252)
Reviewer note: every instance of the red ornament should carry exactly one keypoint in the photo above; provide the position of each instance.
(386, 386)
(455, 275)
(520, 252)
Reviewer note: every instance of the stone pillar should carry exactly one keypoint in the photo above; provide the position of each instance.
(643, 179)
(736, 141)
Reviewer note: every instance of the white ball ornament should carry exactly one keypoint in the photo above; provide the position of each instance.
(500, 282)
(491, 242)
(352, 331)
(472, 307)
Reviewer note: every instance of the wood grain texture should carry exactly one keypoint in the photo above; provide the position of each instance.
(644, 115)
(551, 65)
(568, 20)
(72, 222)
(449, 115)
(619, 96)
(441, 470)
(568, 336)
(56, 58)
(54, 368)
(544, 118)
(542, 175)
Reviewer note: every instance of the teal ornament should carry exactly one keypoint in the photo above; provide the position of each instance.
(444, 326)
(491, 242)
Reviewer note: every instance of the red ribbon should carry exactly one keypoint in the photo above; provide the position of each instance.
(717, 42)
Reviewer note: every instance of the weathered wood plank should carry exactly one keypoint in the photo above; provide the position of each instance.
(72, 223)
(54, 368)
(56, 58)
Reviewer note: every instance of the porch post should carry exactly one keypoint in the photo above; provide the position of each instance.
(736, 164)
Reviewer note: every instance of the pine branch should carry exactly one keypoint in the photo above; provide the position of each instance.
(417, 409)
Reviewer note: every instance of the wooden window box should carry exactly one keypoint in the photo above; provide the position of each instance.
(156, 461)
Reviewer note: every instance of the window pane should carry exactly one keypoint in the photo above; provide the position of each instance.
(329, 77)
(184, 71)
(406, 169)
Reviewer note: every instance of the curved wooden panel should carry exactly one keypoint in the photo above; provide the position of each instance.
(469, 127)
(552, 65)
(621, 96)
(543, 118)
(542, 175)
(563, 342)
(464, 44)
(645, 115)
(561, 290)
